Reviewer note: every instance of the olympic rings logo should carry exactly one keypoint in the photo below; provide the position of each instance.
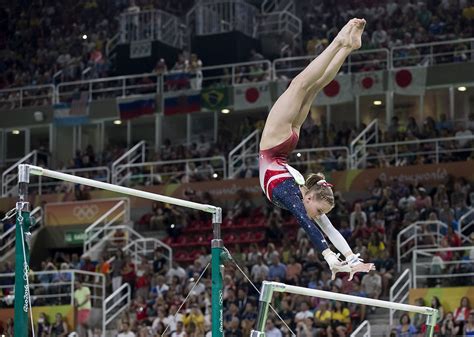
(87, 212)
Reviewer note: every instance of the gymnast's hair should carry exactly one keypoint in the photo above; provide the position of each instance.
(316, 182)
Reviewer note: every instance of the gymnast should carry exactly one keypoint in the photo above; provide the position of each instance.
(311, 199)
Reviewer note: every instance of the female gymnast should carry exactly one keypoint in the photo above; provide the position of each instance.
(284, 186)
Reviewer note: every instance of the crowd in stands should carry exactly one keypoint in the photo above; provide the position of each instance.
(370, 225)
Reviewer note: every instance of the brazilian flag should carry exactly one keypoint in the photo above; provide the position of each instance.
(22, 262)
(214, 99)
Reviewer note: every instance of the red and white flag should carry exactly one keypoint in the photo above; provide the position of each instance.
(410, 81)
(368, 83)
(339, 90)
(252, 95)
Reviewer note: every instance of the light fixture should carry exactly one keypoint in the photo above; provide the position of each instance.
(215, 175)
(84, 37)
(298, 154)
(15, 132)
(377, 102)
(172, 225)
(462, 88)
(225, 111)
(117, 122)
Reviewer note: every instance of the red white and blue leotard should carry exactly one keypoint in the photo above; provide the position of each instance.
(272, 162)
(282, 190)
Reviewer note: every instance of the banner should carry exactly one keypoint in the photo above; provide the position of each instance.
(79, 212)
(135, 106)
(50, 311)
(22, 263)
(410, 81)
(339, 90)
(182, 102)
(140, 49)
(252, 96)
(74, 113)
(215, 99)
(449, 296)
(368, 83)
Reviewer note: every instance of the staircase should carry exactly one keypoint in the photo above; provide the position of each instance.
(244, 156)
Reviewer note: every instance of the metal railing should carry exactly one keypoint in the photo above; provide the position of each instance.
(247, 148)
(55, 287)
(399, 292)
(358, 147)
(363, 330)
(408, 238)
(96, 232)
(151, 25)
(405, 152)
(37, 95)
(116, 303)
(145, 247)
(269, 6)
(465, 224)
(377, 59)
(221, 16)
(432, 53)
(281, 22)
(430, 267)
(158, 172)
(7, 239)
(10, 175)
(134, 155)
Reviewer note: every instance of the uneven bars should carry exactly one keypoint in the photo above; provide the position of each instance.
(269, 287)
(39, 171)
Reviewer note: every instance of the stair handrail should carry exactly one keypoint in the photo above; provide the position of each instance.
(243, 144)
(465, 216)
(140, 147)
(8, 177)
(364, 324)
(359, 143)
(124, 293)
(396, 292)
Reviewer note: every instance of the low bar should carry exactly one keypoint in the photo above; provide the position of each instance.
(39, 171)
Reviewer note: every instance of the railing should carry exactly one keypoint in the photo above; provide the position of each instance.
(151, 25)
(406, 152)
(10, 175)
(135, 155)
(55, 287)
(112, 43)
(269, 6)
(111, 87)
(375, 59)
(95, 233)
(146, 247)
(158, 172)
(116, 303)
(222, 16)
(465, 224)
(248, 148)
(235, 73)
(363, 330)
(281, 22)
(408, 238)
(432, 53)
(359, 145)
(7, 239)
(399, 292)
(37, 95)
(430, 267)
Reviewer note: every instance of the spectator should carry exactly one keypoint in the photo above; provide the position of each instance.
(43, 328)
(448, 327)
(271, 330)
(340, 319)
(405, 328)
(116, 270)
(59, 328)
(82, 302)
(372, 284)
(306, 328)
(469, 326)
(277, 270)
(461, 313)
(126, 332)
(436, 304)
(358, 217)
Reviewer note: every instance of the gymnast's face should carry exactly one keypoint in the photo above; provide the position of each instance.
(314, 206)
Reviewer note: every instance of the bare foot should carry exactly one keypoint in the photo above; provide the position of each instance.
(356, 33)
(343, 38)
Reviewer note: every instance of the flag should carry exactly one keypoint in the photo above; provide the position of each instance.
(74, 113)
(410, 81)
(368, 83)
(339, 90)
(135, 106)
(182, 102)
(215, 99)
(252, 95)
(22, 262)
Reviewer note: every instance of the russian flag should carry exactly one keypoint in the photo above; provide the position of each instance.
(182, 102)
(135, 106)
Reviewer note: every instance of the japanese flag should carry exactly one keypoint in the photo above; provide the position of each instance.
(252, 95)
(337, 91)
(409, 81)
(368, 83)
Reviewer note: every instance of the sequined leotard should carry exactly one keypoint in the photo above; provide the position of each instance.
(282, 190)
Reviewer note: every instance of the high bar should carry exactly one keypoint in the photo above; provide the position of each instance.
(281, 287)
(39, 171)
